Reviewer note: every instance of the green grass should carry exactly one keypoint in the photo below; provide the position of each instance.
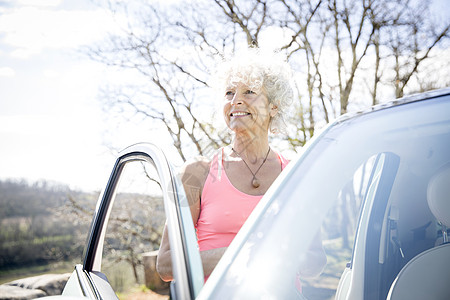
(39, 241)
(121, 276)
(29, 271)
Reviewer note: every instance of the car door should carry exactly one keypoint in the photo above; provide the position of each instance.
(381, 160)
(146, 161)
(352, 283)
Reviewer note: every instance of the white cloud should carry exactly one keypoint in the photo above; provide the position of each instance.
(39, 2)
(26, 124)
(275, 37)
(59, 148)
(22, 53)
(32, 29)
(7, 72)
(50, 73)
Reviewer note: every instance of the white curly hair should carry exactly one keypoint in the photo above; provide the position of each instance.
(260, 70)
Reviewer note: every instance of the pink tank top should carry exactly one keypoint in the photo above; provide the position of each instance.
(223, 208)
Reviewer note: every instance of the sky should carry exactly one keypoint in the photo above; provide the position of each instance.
(52, 125)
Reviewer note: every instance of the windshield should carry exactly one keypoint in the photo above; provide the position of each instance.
(377, 158)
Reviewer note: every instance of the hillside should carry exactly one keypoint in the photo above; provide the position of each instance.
(34, 228)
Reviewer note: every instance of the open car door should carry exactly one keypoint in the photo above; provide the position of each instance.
(147, 162)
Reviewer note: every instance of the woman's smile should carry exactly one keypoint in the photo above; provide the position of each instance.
(239, 114)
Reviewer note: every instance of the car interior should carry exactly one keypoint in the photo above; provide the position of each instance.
(404, 226)
(426, 274)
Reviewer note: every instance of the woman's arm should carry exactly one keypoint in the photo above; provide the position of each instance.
(210, 258)
(164, 259)
(193, 176)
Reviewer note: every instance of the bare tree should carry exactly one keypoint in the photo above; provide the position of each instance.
(171, 79)
(341, 51)
(411, 40)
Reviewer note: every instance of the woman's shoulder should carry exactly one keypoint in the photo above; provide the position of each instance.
(282, 155)
(196, 163)
(195, 170)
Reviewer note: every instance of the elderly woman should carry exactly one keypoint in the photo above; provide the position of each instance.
(222, 192)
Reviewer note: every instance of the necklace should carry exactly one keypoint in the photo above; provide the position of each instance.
(255, 181)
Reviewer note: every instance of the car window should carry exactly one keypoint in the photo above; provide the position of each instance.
(134, 230)
(380, 162)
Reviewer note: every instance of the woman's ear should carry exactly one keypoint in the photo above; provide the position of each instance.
(273, 110)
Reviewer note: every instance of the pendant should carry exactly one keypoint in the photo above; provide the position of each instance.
(255, 183)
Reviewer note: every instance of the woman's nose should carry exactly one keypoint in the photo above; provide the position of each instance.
(236, 100)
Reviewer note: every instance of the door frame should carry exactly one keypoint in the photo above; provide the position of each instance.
(186, 261)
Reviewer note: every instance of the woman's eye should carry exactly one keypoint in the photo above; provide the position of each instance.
(229, 93)
(249, 92)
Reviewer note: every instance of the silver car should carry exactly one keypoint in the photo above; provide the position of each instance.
(388, 166)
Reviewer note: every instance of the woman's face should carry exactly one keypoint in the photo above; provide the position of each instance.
(247, 110)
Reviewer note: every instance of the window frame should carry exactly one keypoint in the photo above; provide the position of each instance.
(186, 261)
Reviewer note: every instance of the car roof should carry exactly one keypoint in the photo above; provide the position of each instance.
(392, 103)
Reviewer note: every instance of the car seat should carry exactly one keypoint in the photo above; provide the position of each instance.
(426, 276)
(438, 197)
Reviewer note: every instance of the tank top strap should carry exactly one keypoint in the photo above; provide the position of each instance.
(283, 161)
(216, 164)
(219, 163)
